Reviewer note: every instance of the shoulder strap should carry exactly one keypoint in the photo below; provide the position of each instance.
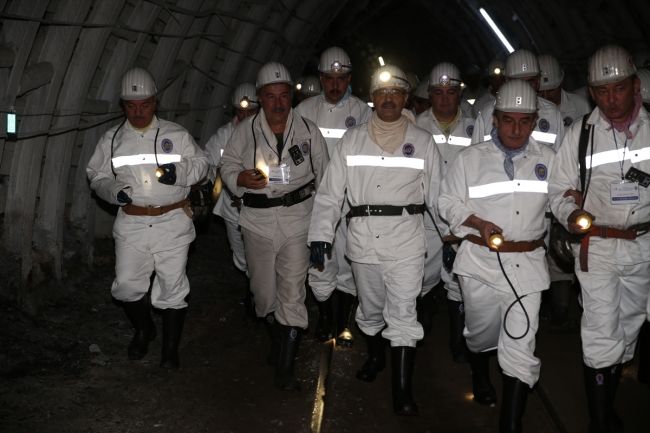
(310, 160)
(582, 151)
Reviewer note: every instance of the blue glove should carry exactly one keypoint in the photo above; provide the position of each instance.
(318, 252)
(123, 198)
(448, 256)
(169, 178)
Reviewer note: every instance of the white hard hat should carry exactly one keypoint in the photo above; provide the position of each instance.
(521, 63)
(388, 76)
(496, 68)
(273, 73)
(311, 85)
(552, 73)
(245, 96)
(298, 83)
(335, 60)
(642, 59)
(444, 74)
(422, 91)
(516, 96)
(137, 84)
(413, 80)
(610, 64)
(644, 76)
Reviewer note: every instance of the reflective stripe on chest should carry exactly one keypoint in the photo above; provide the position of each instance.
(453, 140)
(383, 161)
(332, 133)
(611, 156)
(145, 158)
(544, 137)
(508, 187)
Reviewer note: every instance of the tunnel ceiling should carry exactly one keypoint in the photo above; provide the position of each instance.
(61, 61)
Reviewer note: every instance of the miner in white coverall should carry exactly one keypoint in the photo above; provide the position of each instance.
(391, 170)
(334, 111)
(452, 132)
(612, 262)
(499, 188)
(549, 129)
(494, 71)
(244, 100)
(273, 162)
(146, 166)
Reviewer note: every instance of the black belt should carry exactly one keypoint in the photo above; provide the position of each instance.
(371, 210)
(261, 201)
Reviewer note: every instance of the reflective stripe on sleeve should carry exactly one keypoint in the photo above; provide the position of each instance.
(544, 137)
(332, 133)
(150, 158)
(610, 156)
(487, 137)
(459, 141)
(508, 187)
(382, 161)
(221, 152)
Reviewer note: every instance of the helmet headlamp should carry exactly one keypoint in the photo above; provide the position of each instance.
(244, 102)
(584, 221)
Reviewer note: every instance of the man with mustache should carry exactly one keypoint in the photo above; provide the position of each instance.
(613, 258)
(497, 190)
(391, 170)
(146, 166)
(334, 111)
(274, 161)
(452, 132)
(549, 129)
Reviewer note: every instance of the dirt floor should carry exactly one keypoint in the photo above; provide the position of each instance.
(66, 370)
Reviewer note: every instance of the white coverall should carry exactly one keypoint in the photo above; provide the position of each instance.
(476, 184)
(276, 238)
(225, 206)
(333, 120)
(482, 100)
(615, 290)
(549, 129)
(572, 107)
(147, 243)
(387, 252)
(459, 138)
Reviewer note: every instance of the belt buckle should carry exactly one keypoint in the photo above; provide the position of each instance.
(604, 232)
(151, 208)
(287, 200)
(368, 210)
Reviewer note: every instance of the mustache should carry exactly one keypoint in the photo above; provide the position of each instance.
(278, 110)
(388, 104)
(334, 92)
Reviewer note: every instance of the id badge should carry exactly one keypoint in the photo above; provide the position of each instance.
(624, 192)
(279, 174)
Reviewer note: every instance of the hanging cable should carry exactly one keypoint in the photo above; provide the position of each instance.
(518, 300)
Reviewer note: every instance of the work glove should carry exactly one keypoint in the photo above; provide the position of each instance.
(318, 248)
(169, 178)
(448, 256)
(123, 198)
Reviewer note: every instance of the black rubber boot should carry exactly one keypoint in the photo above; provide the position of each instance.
(515, 396)
(376, 358)
(615, 421)
(643, 374)
(403, 363)
(484, 392)
(560, 301)
(344, 337)
(284, 370)
(173, 321)
(250, 316)
(139, 313)
(426, 307)
(457, 344)
(598, 384)
(323, 330)
(271, 326)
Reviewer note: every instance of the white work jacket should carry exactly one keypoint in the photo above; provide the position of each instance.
(481, 101)
(459, 138)
(334, 119)
(549, 129)
(214, 148)
(477, 184)
(573, 107)
(411, 175)
(605, 167)
(250, 148)
(133, 157)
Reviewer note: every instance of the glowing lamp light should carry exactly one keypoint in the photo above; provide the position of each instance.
(346, 335)
(584, 221)
(385, 76)
(496, 240)
(497, 71)
(462, 85)
(159, 172)
(381, 61)
(263, 170)
(496, 30)
(244, 103)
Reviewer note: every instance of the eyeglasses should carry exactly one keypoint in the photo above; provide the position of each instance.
(393, 92)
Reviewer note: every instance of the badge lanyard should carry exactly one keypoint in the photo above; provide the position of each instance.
(621, 162)
(283, 145)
